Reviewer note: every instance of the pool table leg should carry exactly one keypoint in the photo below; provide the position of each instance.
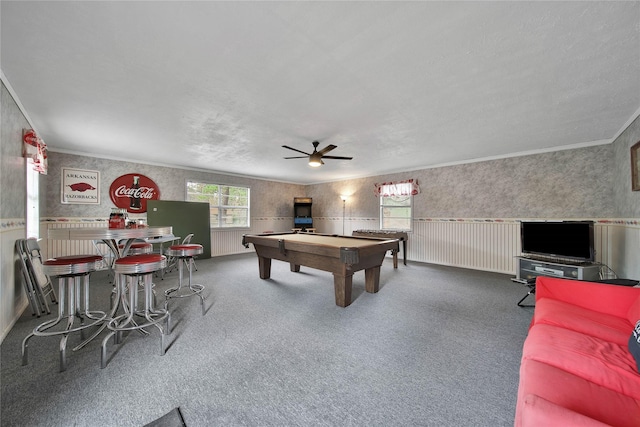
(342, 286)
(404, 250)
(372, 279)
(265, 267)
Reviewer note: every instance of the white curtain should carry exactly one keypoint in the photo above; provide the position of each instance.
(408, 187)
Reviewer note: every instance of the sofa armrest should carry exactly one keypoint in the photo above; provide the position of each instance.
(537, 412)
(603, 298)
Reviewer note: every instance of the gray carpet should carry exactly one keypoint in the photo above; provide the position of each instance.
(172, 418)
(436, 346)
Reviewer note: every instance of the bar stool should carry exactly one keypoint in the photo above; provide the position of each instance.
(136, 248)
(130, 270)
(72, 271)
(184, 254)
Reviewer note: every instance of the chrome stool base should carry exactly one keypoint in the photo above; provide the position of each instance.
(131, 270)
(184, 255)
(73, 278)
(136, 248)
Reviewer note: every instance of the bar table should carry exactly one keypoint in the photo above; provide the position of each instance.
(110, 237)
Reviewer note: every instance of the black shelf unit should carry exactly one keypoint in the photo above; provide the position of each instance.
(530, 268)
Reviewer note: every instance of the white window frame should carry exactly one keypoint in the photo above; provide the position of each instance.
(383, 217)
(32, 208)
(219, 224)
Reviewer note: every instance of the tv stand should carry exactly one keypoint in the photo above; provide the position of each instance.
(530, 268)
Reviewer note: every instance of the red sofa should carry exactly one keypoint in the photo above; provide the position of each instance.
(576, 367)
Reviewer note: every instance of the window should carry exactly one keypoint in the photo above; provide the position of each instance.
(33, 196)
(395, 212)
(396, 204)
(228, 205)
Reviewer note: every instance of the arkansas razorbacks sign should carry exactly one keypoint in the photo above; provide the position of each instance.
(80, 186)
(132, 191)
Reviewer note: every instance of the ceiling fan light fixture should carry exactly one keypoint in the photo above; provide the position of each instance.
(315, 160)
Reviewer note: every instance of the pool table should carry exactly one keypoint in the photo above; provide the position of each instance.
(341, 255)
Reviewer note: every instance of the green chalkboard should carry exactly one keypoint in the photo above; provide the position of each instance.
(185, 218)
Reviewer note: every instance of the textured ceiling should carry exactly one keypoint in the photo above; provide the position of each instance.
(221, 86)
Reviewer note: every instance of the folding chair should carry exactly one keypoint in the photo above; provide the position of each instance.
(28, 282)
(108, 257)
(41, 282)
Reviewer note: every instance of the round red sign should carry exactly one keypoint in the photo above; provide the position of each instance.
(131, 192)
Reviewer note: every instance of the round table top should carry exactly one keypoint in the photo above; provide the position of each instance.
(104, 233)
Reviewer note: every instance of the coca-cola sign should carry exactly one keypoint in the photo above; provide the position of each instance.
(132, 191)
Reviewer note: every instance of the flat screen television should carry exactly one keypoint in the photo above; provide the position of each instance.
(571, 240)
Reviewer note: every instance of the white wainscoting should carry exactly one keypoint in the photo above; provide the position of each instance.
(13, 299)
(223, 242)
(55, 248)
(618, 246)
(228, 242)
(479, 244)
(493, 244)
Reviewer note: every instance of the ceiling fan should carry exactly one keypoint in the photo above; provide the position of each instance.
(315, 158)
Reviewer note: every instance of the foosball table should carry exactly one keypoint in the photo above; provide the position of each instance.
(388, 234)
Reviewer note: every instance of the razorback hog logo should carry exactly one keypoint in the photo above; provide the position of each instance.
(132, 191)
(82, 187)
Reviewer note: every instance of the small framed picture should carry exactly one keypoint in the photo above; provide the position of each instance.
(80, 186)
(635, 167)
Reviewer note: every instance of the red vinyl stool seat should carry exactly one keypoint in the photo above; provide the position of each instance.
(130, 270)
(73, 281)
(184, 254)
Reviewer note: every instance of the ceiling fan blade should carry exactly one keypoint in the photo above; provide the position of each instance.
(297, 157)
(295, 149)
(327, 149)
(337, 157)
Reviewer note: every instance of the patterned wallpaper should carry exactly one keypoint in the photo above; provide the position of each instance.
(577, 183)
(627, 202)
(573, 183)
(267, 197)
(562, 184)
(12, 170)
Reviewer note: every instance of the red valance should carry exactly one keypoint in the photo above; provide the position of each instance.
(408, 187)
(33, 147)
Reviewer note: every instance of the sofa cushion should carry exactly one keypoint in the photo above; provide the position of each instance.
(603, 298)
(634, 312)
(605, 326)
(574, 393)
(607, 364)
(538, 412)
